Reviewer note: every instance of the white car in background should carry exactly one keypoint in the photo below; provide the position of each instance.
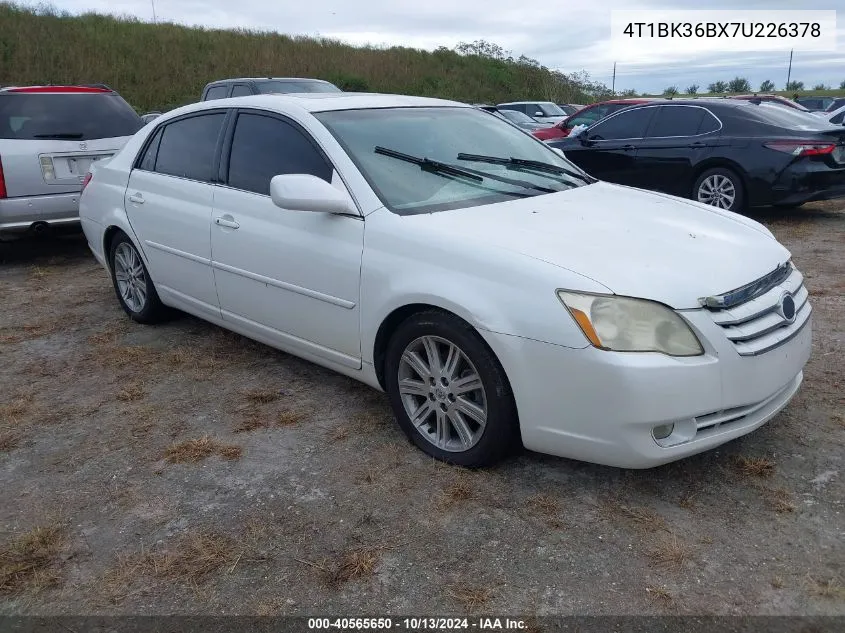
(497, 293)
(543, 111)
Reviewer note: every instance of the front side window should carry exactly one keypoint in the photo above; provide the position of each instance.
(455, 138)
(550, 109)
(676, 120)
(264, 146)
(625, 125)
(188, 147)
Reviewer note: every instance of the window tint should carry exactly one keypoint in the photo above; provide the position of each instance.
(216, 92)
(241, 90)
(709, 123)
(264, 147)
(588, 116)
(68, 116)
(838, 118)
(267, 87)
(631, 124)
(148, 162)
(187, 147)
(676, 121)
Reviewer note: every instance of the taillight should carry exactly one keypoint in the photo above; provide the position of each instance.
(2, 181)
(85, 182)
(802, 148)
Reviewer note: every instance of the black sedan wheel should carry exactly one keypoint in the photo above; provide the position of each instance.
(720, 187)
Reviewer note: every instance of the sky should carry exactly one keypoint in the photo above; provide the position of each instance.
(566, 35)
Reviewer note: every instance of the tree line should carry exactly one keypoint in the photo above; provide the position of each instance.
(741, 84)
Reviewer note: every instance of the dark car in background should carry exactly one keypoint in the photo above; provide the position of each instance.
(244, 86)
(776, 99)
(728, 153)
(586, 116)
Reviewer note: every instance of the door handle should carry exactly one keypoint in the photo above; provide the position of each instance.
(227, 221)
(698, 145)
(628, 147)
(137, 198)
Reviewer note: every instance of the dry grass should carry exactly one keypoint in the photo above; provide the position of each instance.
(838, 420)
(643, 519)
(31, 562)
(659, 593)
(777, 582)
(15, 409)
(131, 392)
(290, 417)
(544, 504)
(338, 434)
(469, 597)
(754, 466)
(687, 501)
(370, 420)
(459, 491)
(830, 588)
(189, 560)
(20, 333)
(669, 552)
(9, 440)
(261, 396)
(352, 565)
(196, 450)
(780, 500)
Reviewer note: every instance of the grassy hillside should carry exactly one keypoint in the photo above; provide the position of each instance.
(165, 65)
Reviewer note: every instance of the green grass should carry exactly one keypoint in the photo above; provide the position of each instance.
(161, 66)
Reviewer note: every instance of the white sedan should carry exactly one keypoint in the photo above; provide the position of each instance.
(498, 294)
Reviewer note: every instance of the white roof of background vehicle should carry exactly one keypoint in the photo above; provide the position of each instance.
(521, 102)
(320, 102)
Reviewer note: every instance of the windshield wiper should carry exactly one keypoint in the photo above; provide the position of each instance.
(434, 166)
(526, 163)
(60, 135)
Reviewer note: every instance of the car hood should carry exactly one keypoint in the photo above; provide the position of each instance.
(633, 242)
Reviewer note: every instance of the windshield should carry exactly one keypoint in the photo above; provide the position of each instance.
(517, 117)
(441, 134)
(550, 109)
(268, 87)
(789, 117)
(63, 116)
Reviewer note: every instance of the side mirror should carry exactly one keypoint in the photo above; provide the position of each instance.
(559, 151)
(538, 113)
(304, 192)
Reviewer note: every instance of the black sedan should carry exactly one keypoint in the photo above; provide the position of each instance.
(728, 153)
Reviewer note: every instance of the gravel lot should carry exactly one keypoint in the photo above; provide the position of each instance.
(183, 469)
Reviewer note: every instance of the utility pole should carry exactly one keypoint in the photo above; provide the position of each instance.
(789, 72)
(153, 2)
(613, 88)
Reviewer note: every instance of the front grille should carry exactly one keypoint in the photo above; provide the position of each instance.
(757, 324)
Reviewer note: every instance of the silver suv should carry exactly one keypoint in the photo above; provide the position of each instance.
(49, 136)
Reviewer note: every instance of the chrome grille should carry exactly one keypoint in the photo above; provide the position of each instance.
(756, 325)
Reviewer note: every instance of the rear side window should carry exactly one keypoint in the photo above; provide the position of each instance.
(148, 161)
(216, 92)
(67, 117)
(263, 147)
(188, 146)
(838, 118)
(676, 120)
(630, 124)
(241, 90)
(709, 123)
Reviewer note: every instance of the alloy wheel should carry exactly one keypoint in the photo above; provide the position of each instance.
(718, 191)
(131, 280)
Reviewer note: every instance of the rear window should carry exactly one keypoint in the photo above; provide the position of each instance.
(268, 87)
(787, 117)
(72, 117)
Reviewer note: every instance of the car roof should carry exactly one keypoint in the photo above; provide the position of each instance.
(63, 89)
(525, 102)
(297, 79)
(320, 102)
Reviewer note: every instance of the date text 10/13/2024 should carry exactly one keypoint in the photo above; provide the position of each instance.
(417, 624)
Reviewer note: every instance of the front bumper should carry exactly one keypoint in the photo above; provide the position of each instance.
(601, 407)
(18, 214)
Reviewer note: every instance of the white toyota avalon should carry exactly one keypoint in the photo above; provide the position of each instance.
(497, 293)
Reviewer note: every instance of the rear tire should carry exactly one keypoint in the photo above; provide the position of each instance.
(132, 283)
(720, 187)
(449, 393)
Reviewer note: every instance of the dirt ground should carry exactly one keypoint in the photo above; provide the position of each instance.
(184, 469)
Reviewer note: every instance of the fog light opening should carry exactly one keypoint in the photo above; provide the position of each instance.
(663, 431)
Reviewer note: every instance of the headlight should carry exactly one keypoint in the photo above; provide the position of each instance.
(622, 324)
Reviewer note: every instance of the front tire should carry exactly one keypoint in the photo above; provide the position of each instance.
(720, 187)
(132, 283)
(449, 393)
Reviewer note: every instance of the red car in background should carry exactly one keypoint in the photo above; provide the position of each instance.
(585, 116)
